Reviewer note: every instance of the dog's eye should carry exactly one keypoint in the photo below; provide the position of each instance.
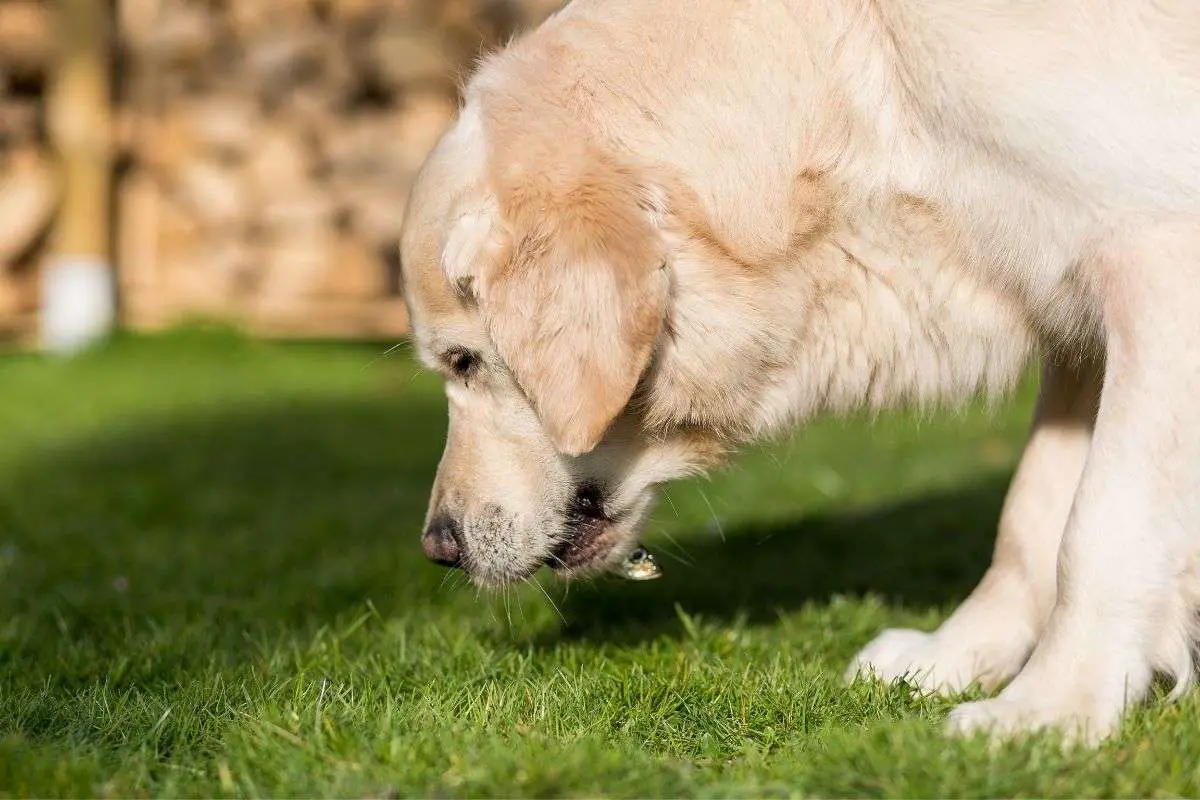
(462, 363)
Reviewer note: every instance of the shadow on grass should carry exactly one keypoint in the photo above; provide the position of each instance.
(286, 516)
(925, 552)
(275, 517)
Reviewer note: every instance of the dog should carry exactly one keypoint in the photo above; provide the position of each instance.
(659, 229)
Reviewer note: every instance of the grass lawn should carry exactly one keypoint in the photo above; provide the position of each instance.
(211, 584)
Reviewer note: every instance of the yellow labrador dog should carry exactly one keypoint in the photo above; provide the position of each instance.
(660, 228)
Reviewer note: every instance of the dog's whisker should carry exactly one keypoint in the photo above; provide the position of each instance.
(671, 503)
(448, 578)
(504, 595)
(680, 553)
(535, 582)
(520, 605)
(716, 520)
(386, 353)
(459, 580)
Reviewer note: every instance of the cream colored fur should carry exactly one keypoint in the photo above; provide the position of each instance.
(662, 228)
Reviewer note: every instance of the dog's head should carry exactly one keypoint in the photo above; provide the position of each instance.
(537, 286)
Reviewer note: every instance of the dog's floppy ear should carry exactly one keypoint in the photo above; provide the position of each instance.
(574, 303)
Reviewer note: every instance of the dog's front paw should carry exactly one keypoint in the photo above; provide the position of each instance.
(1004, 718)
(936, 662)
(1081, 713)
(893, 654)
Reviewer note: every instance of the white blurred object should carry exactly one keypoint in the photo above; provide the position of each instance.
(78, 303)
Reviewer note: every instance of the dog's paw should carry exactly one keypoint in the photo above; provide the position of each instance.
(936, 662)
(893, 654)
(1077, 718)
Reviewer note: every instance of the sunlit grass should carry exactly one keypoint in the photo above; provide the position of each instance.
(211, 584)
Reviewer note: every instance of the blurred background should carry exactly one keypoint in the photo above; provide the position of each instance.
(246, 162)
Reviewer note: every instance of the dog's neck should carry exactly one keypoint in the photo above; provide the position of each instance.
(873, 314)
(836, 289)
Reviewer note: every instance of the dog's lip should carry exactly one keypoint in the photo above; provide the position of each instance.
(587, 542)
(586, 532)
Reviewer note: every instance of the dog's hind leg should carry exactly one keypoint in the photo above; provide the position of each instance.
(1127, 566)
(990, 635)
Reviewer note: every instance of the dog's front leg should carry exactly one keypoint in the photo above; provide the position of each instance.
(1127, 566)
(989, 637)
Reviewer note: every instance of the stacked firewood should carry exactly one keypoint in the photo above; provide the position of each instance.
(28, 185)
(265, 151)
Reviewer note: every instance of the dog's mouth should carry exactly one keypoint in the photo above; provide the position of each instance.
(590, 533)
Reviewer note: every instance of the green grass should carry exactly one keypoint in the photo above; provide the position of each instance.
(211, 584)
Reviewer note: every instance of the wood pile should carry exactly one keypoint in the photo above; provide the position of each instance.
(265, 152)
(28, 186)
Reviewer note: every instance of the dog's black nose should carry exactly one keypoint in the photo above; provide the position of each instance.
(441, 542)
